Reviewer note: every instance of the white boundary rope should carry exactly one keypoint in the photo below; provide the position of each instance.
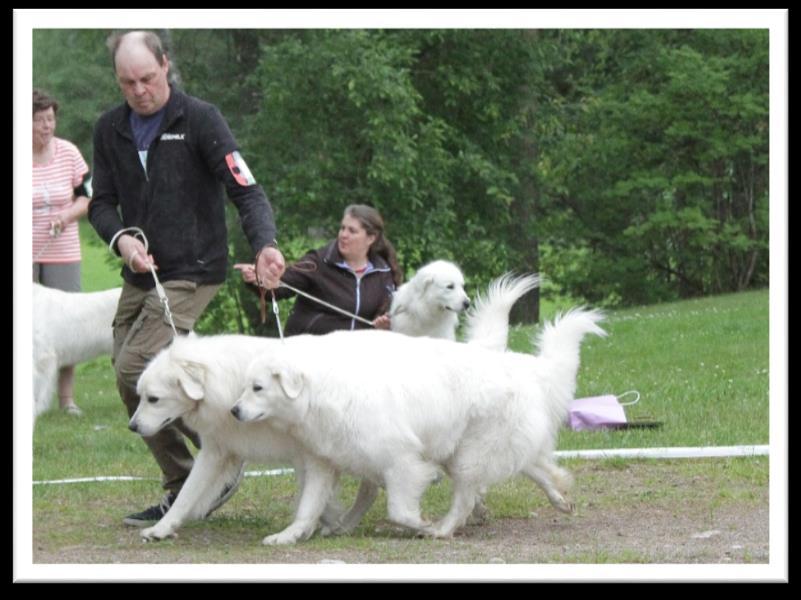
(707, 452)
(271, 473)
(93, 480)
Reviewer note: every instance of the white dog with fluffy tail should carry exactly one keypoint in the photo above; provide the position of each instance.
(68, 328)
(482, 415)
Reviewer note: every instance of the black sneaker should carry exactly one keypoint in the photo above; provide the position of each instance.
(153, 514)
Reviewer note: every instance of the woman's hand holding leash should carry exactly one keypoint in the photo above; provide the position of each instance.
(382, 322)
(248, 272)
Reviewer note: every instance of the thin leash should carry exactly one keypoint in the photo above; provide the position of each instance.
(263, 304)
(277, 317)
(165, 302)
(323, 302)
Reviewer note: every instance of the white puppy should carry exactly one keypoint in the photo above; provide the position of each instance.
(198, 379)
(481, 415)
(68, 328)
(430, 302)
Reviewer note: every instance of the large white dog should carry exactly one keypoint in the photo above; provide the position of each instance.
(200, 378)
(68, 328)
(480, 414)
(420, 314)
(430, 302)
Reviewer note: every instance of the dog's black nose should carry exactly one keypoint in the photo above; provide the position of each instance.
(132, 426)
(467, 304)
(235, 411)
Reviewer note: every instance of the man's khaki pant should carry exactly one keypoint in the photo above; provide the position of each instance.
(141, 329)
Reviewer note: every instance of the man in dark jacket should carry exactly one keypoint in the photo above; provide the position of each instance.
(161, 162)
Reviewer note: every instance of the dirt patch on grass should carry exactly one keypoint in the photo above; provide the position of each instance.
(640, 512)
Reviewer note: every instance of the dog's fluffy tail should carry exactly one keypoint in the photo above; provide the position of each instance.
(560, 340)
(563, 335)
(487, 322)
(559, 345)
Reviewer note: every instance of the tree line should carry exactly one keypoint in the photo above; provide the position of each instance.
(627, 166)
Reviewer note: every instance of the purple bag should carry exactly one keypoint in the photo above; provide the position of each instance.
(599, 412)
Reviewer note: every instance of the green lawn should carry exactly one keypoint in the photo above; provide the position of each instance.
(700, 366)
(98, 272)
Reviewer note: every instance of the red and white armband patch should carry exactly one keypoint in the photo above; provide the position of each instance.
(239, 169)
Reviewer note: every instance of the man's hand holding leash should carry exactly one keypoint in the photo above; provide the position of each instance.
(133, 252)
(270, 266)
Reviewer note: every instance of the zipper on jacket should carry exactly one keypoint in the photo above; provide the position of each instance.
(144, 165)
(359, 292)
(346, 269)
(358, 300)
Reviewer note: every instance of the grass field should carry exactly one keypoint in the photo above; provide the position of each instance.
(97, 271)
(701, 368)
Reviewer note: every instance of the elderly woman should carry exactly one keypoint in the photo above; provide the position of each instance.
(61, 194)
(356, 272)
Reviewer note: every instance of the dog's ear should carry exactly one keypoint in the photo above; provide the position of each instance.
(290, 380)
(396, 307)
(191, 378)
(427, 280)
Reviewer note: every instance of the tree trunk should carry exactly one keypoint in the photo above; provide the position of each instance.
(524, 242)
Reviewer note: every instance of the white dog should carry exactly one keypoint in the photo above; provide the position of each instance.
(481, 415)
(68, 328)
(487, 326)
(198, 379)
(430, 302)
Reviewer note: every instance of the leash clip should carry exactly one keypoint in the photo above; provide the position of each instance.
(277, 317)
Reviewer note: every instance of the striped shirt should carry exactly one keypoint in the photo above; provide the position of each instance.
(53, 186)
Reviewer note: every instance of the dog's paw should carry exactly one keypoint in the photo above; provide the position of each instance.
(284, 538)
(566, 506)
(436, 533)
(332, 529)
(155, 534)
(480, 514)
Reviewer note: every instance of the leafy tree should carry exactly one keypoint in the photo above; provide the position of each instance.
(403, 120)
(658, 185)
(74, 66)
(629, 166)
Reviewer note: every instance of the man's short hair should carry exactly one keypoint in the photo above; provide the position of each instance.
(150, 40)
